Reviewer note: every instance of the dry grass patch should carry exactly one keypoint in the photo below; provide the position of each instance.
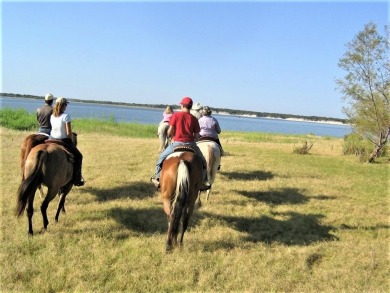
(276, 221)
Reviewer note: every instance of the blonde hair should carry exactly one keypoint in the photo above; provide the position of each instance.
(168, 110)
(57, 109)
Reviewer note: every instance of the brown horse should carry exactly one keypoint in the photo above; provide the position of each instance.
(51, 165)
(180, 180)
(28, 143)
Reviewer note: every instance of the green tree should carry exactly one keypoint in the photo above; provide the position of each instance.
(366, 86)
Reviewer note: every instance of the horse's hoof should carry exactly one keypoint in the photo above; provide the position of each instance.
(43, 231)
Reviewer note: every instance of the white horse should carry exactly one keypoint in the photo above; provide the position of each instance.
(212, 154)
(163, 136)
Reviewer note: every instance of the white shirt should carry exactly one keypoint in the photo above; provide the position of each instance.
(58, 126)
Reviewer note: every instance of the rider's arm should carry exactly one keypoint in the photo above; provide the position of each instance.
(171, 131)
(68, 130)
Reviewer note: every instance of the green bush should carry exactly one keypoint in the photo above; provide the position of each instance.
(354, 144)
(18, 119)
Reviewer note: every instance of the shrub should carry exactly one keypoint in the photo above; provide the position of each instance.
(303, 150)
(18, 119)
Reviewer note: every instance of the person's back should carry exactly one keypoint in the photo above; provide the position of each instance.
(209, 126)
(186, 125)
(43, 115)
(184, 128)
(62, 130)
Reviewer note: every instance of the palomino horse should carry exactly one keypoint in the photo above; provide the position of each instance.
(180, 180)
(163, 136)
(212, 154)
(51, 165)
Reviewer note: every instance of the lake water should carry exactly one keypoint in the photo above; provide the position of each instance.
(154, 116)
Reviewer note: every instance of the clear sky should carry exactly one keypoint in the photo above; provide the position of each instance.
(265, 56)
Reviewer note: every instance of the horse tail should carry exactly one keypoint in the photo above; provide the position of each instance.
(29, 185)
(182, 190)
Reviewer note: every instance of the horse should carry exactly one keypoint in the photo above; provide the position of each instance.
(212, 154)
(31, 141)
(28, 143)
(180, 181)
(49, 164)
(163, 136)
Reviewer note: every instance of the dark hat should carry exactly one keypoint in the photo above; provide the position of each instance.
(206, 110)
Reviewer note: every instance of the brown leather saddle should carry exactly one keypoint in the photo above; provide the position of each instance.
(184, 148)
(63, 145)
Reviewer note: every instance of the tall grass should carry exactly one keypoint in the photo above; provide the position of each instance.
(275, 222)
(18, 119)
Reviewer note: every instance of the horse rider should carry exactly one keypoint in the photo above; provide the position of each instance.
(167, 114)
(209, 127)
(44, 127)
(195, 110)
(62, 130)
(184, 128)
(43, 115)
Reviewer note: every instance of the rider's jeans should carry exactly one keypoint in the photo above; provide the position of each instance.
(169, 150)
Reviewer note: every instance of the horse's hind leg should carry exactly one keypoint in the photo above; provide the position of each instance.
(186, 218)
(61, 204)
(199, 200)
(30, 212)
(49, 197)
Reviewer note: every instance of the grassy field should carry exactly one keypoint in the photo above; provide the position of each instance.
(276, 222)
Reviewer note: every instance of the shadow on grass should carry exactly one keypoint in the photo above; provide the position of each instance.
(254, 175)
(145, 221)
(291, 229)
(137, 190)
(286, 228)
(277, 197)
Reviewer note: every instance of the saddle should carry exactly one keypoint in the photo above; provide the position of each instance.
(207, 138)
(63, 145)
(184, 148)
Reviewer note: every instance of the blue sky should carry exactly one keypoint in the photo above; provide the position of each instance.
(266, 56)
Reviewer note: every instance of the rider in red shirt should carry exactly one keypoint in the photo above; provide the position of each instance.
(184, 128)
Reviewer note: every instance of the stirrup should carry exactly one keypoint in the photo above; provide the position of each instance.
(205, 186)
(155, 181)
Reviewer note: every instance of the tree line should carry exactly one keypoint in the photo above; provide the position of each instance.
(215, 110)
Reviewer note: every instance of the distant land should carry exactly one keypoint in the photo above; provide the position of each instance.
(216, 110)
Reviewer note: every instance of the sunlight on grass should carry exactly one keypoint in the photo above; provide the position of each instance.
(275, 222)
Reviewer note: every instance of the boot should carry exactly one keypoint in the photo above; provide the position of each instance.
(79, 182)
(155, 181)
(78, 179)
(205, 185)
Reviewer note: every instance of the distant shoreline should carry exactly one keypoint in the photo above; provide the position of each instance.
(286, 119)
(218, 111)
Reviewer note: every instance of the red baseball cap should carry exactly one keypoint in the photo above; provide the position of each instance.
(186, 101)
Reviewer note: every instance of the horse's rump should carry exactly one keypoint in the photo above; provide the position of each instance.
(180, 180)
(58, 164)
(212, 154)
(28, 143)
